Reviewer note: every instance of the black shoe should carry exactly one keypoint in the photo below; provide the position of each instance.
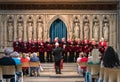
(60, 73)
(57, 73)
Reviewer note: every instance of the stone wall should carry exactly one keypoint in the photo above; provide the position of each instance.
(26, 23)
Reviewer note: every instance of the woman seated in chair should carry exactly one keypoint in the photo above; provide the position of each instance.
(84, 60)
(25, 68)
(35, 71)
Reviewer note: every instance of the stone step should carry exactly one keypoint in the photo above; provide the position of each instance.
(65, 64)
(69, 74)
(66, 67)
(63, 74)
(48, 79)
(52, 77)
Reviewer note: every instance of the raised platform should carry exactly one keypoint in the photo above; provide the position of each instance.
(69, 74)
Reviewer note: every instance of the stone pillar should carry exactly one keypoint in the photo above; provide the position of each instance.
(91, 26)
(118, 27)
(81, 26)
(101, 26)
(24, 29)
(1, 23)
(5, 30)
(34, 27)
(0, 32)
(114, 31)
(111, 30)
(15, 27)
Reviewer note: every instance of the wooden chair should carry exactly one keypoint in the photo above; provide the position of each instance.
(26, 64)
(1, 75)
(113, 74)
(34, 64)
(106, 75)
(101, 75)
(9, 70)
(83, 64)
(95, 69)
(19, 70)
(118, 75)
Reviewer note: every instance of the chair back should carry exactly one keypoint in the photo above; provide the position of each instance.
(113, 75)
(19, 68)
(118, 75)
(95, 69)
(101, 76)
(106, 74)
(83, 64)
(1, 76)
(9, 70)
(25, 64)
(34, 64)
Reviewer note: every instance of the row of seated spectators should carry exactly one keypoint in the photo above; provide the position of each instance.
(13, 58)
(110, 59)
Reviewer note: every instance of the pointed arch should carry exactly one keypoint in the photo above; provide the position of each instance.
(58, 29)
(55, 18)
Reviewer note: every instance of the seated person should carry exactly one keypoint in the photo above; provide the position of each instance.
(78, 60)
(35, 71)
(94, 57)
(16, 58)
(7, 60)
(83, 68)
(24, 59)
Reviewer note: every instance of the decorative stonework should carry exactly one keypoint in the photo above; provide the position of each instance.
(30, 24)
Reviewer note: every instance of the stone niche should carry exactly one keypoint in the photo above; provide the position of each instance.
(27, 24)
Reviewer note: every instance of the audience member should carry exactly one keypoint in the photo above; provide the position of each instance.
(7, 60)
(78, 60)
(83, 59)
(16, 58)
(110, 58)
(35, 71)
(24, 59)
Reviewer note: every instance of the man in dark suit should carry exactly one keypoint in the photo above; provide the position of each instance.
(57, 52)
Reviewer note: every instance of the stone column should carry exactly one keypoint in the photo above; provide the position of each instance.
(101, 26)
(0, 32)
(45, 34)
(81, 26)
(118, 27)
(70, 33)
(15, 27)
(24, 29)
(91, 25)
(5, 30)
(111, 30)
(114, 31)
(34, 27)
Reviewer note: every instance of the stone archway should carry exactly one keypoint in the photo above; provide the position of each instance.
(58, 29)
(55, 18)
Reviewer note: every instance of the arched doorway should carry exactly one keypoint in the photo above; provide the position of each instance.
(58, 29)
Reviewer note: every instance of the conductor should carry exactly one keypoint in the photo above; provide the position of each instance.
(57, 52)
